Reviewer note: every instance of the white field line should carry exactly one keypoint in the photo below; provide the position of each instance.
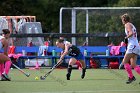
(98, 91)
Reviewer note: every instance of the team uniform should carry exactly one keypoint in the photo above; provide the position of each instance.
(74, 52)
(4, 71)
(133, 45)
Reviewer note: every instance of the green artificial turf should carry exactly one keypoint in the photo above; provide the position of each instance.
(96, 81)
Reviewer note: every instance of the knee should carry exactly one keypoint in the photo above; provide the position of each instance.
(69, 66)
(133, 65)
(8, 59)
(72, 61)
(81, 61)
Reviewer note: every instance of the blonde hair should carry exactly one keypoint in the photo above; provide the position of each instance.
(125, 17)
(60, 40)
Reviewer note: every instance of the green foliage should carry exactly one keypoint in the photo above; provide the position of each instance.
(47, 12)
(99, 21)
(128, 3)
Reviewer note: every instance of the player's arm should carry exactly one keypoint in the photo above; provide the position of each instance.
(65, 51)
(129, 29)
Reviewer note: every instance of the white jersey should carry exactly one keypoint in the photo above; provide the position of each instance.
(133, 45)
(1, 37)
(1, 46)
(133, 39)
(66, 42)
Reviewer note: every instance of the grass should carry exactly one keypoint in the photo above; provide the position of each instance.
(96, 81)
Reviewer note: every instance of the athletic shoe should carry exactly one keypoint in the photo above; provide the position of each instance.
(2, 79)
(130, 80)
(83, 73)
(6, 77)
(68, 76)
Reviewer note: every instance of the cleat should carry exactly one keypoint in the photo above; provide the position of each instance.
(130, 80)
(68, 76)
(6, 77)
(2, 79)
(83, 73)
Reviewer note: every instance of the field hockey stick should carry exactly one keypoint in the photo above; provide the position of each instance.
(48, 73)
(27, 74)
(126, 42)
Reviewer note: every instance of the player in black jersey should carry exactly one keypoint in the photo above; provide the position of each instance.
(75, 54)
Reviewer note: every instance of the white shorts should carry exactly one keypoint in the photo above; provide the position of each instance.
(133, 49)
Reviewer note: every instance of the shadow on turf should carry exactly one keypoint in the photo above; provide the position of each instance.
(56, 79)
(121, 76)
(31, 81)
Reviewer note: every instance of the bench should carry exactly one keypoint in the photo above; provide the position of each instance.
(95, 52)
(99, 53)
(35, 50)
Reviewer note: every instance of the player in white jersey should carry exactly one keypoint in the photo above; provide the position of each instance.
(4, 56)
(133, 48)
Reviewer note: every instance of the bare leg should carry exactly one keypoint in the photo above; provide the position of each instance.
(4, 58)
(83, 63)
(83, 68)
(133, 61)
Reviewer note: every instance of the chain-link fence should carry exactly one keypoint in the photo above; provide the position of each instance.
(94, 40)
(100, 20)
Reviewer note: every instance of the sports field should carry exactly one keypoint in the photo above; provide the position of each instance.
(96, 81)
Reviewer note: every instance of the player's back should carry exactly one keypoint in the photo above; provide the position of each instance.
(133, 39)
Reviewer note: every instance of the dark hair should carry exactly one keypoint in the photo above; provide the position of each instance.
(60, 40)
(5, 31)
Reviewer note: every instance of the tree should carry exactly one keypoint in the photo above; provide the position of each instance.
(126, 3)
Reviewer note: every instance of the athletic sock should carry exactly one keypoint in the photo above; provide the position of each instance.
(69, 72)
(1, 68)
(128, 70)
(137, 69)
(69, 69)
(83, 73)
(7, 67)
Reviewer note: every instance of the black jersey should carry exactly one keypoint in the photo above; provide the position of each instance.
(73, 51)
